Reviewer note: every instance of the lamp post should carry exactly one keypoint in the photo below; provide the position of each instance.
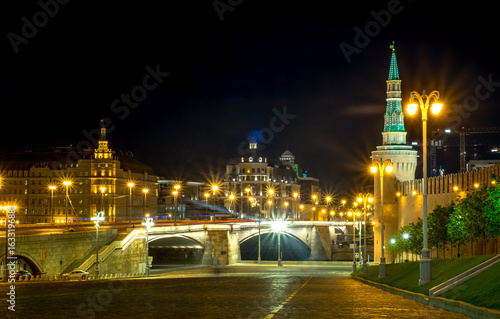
(145, 191)
(207, 195)
(67, 184)
(364, 198)
(278, 226)
(259, 220)
(423, 101)
(97, 219)
(296, 212)
(354, 237)
(248, 190)
(214, 190)
(381, 166)
(148, 223)
(130, 185)
(102, 189)
(270, 192)
(51, 188)
(175, 193)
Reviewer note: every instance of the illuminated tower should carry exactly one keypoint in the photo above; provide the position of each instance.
(394, 126)
(394, 148)
(402, 156)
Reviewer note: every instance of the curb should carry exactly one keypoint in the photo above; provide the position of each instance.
(438, 302)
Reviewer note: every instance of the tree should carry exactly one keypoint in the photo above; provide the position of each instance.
(416, 234)
(438, 226)
(457, 233)
(492, 214)
(471, 209)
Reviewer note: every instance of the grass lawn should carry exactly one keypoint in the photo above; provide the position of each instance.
(482, 290)
(406, 275)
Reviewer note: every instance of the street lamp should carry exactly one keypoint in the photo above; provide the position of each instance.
(423, 101)
(353, 237)
(97, 219)
(231, 200)
(296, 213)
(103, 189)
(278, 226)
(145, 191)
(214, 190)
(381, 166)
(130, 185)
(175, 193)
(270, 192)
(67, 184)
(148, 222)
(207, 195)
(52, 188)
(364, 198)
(248, 190)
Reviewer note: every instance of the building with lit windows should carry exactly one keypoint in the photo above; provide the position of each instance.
(46, 185)
(261, 184)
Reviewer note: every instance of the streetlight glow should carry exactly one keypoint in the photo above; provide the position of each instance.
(423, 101)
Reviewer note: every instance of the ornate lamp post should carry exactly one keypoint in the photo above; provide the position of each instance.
(207, 195)
(52, 188)
(214, 191)
(148, 223)
(102, 189)
(381, 166)
(67, 184)
(364, 198)
(130, 185)
(145, 191)
(423, 101)
(97, 220)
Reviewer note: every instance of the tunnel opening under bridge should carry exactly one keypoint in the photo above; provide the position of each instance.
(292, 248)
(175, 250)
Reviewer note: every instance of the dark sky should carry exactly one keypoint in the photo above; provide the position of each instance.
(229, 76)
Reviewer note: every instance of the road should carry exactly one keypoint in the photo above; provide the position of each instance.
(239, 291)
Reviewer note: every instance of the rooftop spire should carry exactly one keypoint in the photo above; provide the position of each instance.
(394, 128)
(393, 71)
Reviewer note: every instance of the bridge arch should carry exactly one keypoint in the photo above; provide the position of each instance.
(27, 262)
(171, 249)
(292, 247)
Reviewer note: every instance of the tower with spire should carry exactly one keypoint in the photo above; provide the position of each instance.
(402, 156)
(394, 147)
(394, 126)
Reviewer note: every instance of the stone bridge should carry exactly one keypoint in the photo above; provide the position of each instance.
(125, 253)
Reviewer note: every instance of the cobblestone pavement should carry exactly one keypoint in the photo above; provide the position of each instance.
(229, 292)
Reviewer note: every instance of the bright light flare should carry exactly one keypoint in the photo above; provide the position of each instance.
(278, 225)
(436, 108)
(412, 108)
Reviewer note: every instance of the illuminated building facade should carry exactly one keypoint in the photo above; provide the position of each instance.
(99, 182)
(260, 184)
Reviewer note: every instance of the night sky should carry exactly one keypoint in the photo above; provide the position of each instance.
(204, 78)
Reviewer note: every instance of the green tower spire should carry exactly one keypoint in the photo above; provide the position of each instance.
(393, 71)
(394, 127)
